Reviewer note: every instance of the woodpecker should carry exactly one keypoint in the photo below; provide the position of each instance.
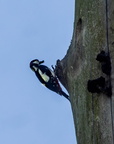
(47, 77)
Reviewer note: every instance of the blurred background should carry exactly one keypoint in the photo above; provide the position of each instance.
(30, 113)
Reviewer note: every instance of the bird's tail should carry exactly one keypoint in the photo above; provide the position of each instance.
(65, 95)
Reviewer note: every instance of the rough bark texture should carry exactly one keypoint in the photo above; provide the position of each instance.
(93, 31)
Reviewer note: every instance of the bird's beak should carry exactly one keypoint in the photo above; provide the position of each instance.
(40, 62)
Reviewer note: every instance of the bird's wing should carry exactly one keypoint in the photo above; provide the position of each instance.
(47, 70)
(45, 73)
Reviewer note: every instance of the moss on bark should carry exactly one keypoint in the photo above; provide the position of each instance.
(92, 112)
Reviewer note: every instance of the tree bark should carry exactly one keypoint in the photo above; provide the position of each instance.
(93, 31)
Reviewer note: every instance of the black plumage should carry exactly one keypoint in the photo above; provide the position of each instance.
(47, 77)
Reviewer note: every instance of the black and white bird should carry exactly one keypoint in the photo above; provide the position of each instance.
(47, 77)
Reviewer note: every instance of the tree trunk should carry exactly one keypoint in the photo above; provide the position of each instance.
(93, 31)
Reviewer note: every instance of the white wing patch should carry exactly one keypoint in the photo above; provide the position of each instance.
(44, 76)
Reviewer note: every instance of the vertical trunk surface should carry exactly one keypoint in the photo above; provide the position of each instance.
(93, 31)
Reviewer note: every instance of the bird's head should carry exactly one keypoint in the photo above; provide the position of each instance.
(34, 64)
